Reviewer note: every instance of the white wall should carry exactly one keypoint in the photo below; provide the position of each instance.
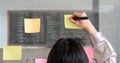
(6, 5)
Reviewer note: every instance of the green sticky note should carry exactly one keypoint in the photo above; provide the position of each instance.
(70, 25)
(12, 52)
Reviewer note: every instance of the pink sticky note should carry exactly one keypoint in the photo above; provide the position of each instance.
(90, 53)
(40, 60)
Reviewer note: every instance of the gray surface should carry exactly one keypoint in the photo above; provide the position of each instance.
(117, 24)
(52, 28)
(109, 22)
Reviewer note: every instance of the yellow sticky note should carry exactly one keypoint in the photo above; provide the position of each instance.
(12, 52)
(68, 24)
(32, 25)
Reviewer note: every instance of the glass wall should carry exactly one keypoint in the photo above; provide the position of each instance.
(106, 13)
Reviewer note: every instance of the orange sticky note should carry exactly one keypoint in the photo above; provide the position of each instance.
(12, 52)
(90, 53)
(68, 24)
(40, 60)
(32, 25)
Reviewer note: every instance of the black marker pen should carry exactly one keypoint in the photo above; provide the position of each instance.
(80, 18)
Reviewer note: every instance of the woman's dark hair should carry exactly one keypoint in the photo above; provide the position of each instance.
(67, 50)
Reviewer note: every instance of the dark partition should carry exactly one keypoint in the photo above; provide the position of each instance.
(52, 27)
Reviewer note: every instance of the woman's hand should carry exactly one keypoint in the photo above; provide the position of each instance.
(86, 24)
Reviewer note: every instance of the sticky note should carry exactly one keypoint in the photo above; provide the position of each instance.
(40, 60)
(12, 52)
(68, 24)
(32, 25)
(90, 53)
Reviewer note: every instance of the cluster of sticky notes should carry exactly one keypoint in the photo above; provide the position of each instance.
(32, 25)
(68, 24)
(12, 52)
(40, 60)
(90, 53)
